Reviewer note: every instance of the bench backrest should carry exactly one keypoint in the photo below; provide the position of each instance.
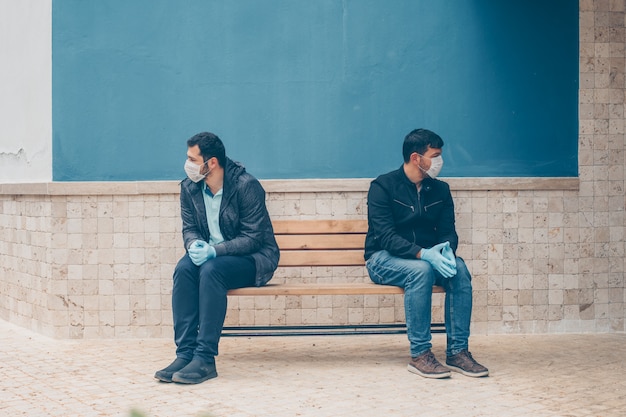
(320, 242)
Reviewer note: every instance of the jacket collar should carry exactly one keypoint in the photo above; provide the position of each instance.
(426, 182)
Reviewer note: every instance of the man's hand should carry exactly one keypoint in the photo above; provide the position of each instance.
(441, 258)
(200, 252)
(448, 253)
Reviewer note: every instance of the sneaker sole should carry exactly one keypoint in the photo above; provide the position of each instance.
(183, 380)
(165, 375)
(467, 373)
(442, 375)
(163, 378)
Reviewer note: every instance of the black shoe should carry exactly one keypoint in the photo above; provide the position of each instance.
(165, 374)
(464, 363)
(195, 372)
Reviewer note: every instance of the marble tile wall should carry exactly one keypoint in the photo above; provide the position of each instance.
(99, 264)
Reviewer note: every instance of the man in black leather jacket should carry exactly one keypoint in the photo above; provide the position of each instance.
(411, 243)
(230, 243)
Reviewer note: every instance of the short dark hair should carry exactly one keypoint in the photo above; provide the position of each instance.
(210, 146)
(419, 140)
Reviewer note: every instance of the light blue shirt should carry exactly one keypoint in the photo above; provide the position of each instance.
(212, 204)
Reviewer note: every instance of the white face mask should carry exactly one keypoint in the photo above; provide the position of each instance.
(436, 163)
(193, 171)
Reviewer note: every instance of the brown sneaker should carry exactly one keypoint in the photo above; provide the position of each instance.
(428, 366)
(464, 363)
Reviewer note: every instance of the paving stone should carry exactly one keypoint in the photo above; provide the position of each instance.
(565, 375)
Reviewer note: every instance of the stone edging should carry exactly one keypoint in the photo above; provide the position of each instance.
(285, 186)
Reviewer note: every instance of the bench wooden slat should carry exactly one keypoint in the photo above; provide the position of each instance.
(346, 257)
(354, 288)
(326, 241)
(309, 243)
(319, 226)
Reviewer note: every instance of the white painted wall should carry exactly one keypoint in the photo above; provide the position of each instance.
(25, 91)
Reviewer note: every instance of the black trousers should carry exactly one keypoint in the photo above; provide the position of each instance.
(199, 302)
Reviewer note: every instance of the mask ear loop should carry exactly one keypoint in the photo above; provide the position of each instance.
(208, 170)
(419, 165)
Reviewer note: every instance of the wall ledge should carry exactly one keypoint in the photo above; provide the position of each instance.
(284, 186)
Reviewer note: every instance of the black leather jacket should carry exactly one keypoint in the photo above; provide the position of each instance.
(403, 221)
(244, 220)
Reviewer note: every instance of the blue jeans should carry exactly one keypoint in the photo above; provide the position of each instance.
(199, 302)
(417, 277)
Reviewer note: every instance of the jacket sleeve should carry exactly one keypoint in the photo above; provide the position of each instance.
(382, 225)
(446, 230)
(191, 229)
(254, 221)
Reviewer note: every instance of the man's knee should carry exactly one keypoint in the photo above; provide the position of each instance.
(462, 281)
(421, 276)
(212, 277)
(185, 268)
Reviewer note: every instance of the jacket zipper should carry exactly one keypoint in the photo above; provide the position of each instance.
(405, 205)
(419, 206)
(432, 204)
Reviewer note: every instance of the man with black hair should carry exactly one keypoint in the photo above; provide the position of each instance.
(411, 243)
(229, 242)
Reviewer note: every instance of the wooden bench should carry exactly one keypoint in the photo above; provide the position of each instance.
(309, 243)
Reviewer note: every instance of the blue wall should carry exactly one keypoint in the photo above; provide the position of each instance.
(314, 89)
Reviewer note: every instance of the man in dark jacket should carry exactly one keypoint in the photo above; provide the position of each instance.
(230, 244)
(411, 243)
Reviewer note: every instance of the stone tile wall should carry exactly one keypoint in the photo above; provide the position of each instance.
(95, 260)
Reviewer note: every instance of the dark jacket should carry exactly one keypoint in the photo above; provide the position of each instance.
(244, 220)
(403, 221)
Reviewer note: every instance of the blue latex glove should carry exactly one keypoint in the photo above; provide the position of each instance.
(200, 252)
(442, 264)
(448, 253)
